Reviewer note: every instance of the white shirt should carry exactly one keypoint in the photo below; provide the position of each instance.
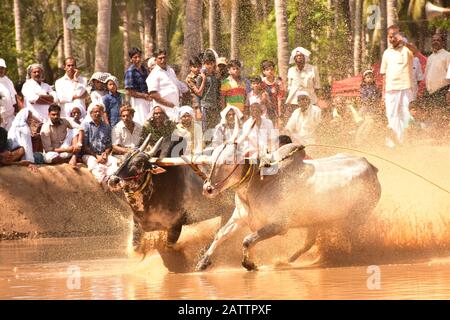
(123, 137)
(194, 143)
(65, 89)
(417, 76)
(302, 126)
(31, 91)
(6, 107)
(165, 82)
(436, 70)
(306, 80)
(260, 139)
(10, 86)
(397, 64)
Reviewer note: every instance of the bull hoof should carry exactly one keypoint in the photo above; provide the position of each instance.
(249, 265)
(203, 264)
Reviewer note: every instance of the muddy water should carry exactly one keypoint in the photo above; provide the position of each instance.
(49, 269)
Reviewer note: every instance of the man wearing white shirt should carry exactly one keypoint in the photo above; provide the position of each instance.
(71, 89)
(4, 80)
(304, 121)
(38, 94)
(126, 134)
(164, 87)
(6, 108)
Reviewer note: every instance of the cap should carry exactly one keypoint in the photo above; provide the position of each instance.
(2, 63)
(222, 60)
(367, 72)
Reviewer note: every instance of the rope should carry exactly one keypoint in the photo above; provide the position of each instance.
(381, 158)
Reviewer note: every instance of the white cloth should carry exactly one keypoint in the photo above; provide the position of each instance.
(184, 110)
(416, 76)
(302, 126)
(51, 155)
(306, 80)
(298, 50)
(65, 89)
(10, 86)
(100, 171)
(165, 82)
(194, 144)
(224, 112)
(142, 109)
(97, 95)
(20, 134)
(436, 70)
(397, 110)
(31, 91)
(396, 64)
(6, 107)
(123, 137)
(259, 140)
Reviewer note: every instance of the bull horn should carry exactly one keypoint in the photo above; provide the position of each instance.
(156, 147)
(145, 143)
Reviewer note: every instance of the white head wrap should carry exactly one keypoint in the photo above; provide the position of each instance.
(90, 108)
(20, 133)
(184, 110)
(32, 66)
(298, 50)
(224, 112)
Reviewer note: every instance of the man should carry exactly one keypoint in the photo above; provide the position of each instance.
(38, 94)
(304, 121)
(71, 88)
(58, 140)
(189, 130)
(222, 69)
(159, 125)
(127, 133)
(302, 77)
(97, 146)
(4, 80)
(6, 107)
(136, 87)
(435, 76)
(8, 155)
(164, 87)
(397, 66)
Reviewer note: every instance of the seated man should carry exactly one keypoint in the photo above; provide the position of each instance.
(189, 130)
(8, 156)
(127, 133)
(97, 146)
(58, 140)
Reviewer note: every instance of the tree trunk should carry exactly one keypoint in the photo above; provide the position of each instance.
(383, 26)
(392, 15)
(234, 46)
(357, 37)
(213, 20)
(18, 26)
(281, 22)
(303, 31)
(60, 58)
(192, 29)
(149, 27)
(141, 29)
(126, 41)
(67, 32)
(103, 35)
(162, 19)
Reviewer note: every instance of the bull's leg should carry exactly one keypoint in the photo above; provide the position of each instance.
(264, 233)
(173, 234)
(311, 236)
(137, 234)
(223, 234)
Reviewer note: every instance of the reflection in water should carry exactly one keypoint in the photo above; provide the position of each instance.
(38, 269)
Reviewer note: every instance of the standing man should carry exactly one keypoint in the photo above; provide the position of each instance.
(5, 81)
(397, 66)
(71, 88)
(302, 77)
(164, 87)
(435, 77)
(136, 87)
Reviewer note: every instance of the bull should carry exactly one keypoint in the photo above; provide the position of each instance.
(309, 194)
(164, 193)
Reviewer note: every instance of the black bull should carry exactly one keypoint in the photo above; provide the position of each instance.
(164, 198)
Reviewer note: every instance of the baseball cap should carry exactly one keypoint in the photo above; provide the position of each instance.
(222, 60)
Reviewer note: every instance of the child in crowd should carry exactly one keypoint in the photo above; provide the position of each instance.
(191, 80)
(112, 102)
(233, 90)
(260, 96)
(98, 86)
(274, 87)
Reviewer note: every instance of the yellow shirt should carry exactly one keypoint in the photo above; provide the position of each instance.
(397, 65)
(436, 70)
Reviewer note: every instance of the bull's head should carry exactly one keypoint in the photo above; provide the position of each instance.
(136, 168)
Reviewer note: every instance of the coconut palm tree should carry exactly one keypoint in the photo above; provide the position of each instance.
(392, 15)
(213, 23)
(281, 22)
(357, 37)
(19, 43)
(66, 30)
(192, 28)
(162, 21)
(149, 26)
(103, 35)
(125, 30)
(234, 46)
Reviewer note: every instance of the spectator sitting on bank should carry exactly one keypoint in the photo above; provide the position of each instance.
(97, 145)
(112, 101)
(224, 130)
(8, 155)
(159, 125)
(189, 130)
(127, 133)
(60, 145)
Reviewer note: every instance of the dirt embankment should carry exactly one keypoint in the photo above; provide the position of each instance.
(57, 201)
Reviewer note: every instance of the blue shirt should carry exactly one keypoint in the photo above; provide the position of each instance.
(112, 107)
(135, 79)
(97, 138)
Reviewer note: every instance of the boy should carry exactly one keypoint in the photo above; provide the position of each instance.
(233, 89)
(112, 102)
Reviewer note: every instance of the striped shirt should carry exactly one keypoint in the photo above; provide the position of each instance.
(234, 93)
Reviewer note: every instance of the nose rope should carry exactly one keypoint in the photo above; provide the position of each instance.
(384, 159)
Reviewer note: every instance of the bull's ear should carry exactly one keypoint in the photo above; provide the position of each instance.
(157, 170)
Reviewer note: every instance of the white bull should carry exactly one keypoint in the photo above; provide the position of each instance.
(309, 194)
